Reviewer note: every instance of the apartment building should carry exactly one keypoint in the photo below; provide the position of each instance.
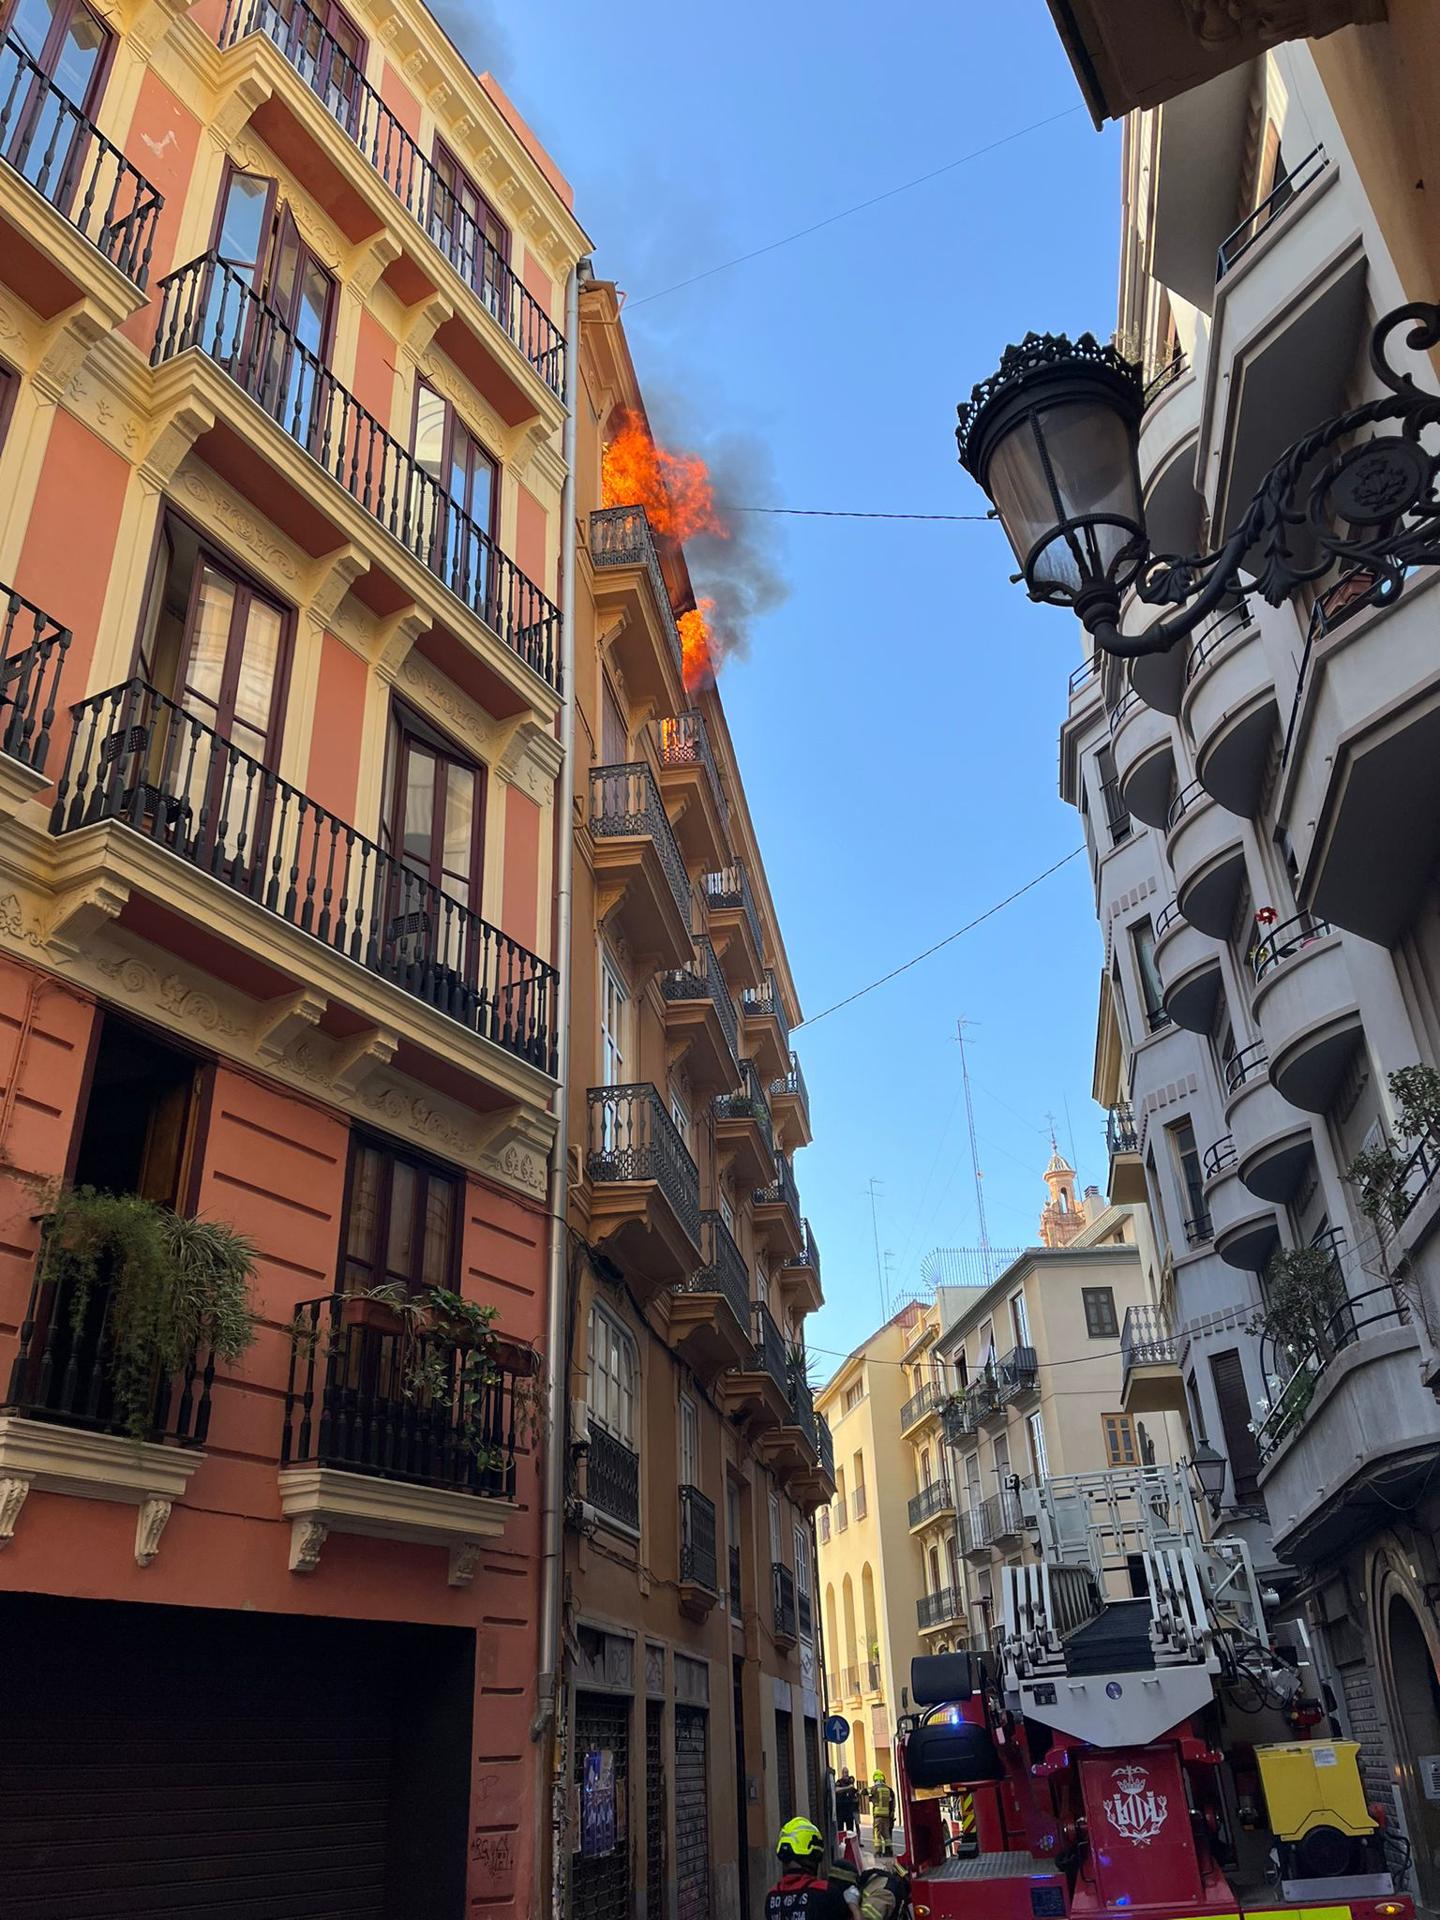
(694, 1695)
(1260, 806)
(283, 370)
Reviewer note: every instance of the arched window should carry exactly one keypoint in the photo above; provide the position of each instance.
(614, 1371)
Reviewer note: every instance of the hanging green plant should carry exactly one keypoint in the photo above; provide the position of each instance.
(1303, 1292)
(174, 1288)
(1376, 1172)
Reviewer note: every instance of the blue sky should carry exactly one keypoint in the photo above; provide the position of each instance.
(897, 715)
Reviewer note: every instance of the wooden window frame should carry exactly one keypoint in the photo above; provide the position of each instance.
(361, 1141)
(454, 418)
(1102, 1299)
(1113, 1434)
(404, 720)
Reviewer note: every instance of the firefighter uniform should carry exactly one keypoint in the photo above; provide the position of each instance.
(882, 1808)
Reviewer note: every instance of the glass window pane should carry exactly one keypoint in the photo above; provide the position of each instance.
(242, 226)
(459, 829)
(209, 640)
(400, 1252)
(79, 56)
(438, 1268)
(419, 823)
(255, 687)
(31, 22)
(363, 1217)
(430, 432)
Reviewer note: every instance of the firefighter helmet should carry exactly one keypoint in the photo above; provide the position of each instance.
(879, 1779)
(801, 1842)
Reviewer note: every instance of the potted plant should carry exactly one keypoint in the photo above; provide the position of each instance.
(173, 1288)
(1376, 1172)
(1303, 1292)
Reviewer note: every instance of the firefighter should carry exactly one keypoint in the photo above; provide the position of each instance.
(882, 1808)
(805, 1891)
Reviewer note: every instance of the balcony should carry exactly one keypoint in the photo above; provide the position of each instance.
(790, 1104)
(690, 781)
(934, 1502)
(1158, 678)
(1149, 1363)
(1188, 963)
(1199, 1229)
(799, 1278)
(391, 1432)
(1304, 1006)
(1365, 728)
(196, 832)
(644, 1188)
(784, 1615)
(758, 1391)
(777, 1212)
(1238, 242)
(842, 1514)
(943, 1608)
(78, 219)
(922, 1406)
(1144, 750)
(32, 657)
(317, 464)
(700, 1020)
(850, 1683)
(710, 1313)
(279, 59)
(1273, 1143)
(982, 1397)
(1004, 1522)
(1350, 1441)
(735, 924)
(873, 1677)
(1127, 1176)
(630, 589)
(1205, 848)
(976, 1542)
(767, 1029)
(642, 884)
(792, 1450)
(1017, 1376)
(1230, 709)
(699, 1561)
(1245, 1234)
(612, 1478)
(744, 1131)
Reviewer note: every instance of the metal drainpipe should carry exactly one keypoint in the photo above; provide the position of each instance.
(551, 1782)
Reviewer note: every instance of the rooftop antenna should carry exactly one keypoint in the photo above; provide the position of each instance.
(875, 1229)
(960, 1025)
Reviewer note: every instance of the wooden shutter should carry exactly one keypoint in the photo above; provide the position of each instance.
(1234, 1401)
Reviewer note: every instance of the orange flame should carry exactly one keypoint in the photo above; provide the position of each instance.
(696, 647)
(673, 488)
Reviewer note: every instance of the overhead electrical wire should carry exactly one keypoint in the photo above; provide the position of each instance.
(852, 513)
(969, 926)
(801, 233)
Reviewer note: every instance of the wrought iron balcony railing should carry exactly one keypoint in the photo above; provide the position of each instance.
(303, 39)
(49, 142)
(633, 1138)
(212, 307)
(938, 1609)
(1199, 1230)
(625, 803)
(850, 1683)
(919, 1404)
(1250, 1063)
(765, 1002)
(748, 1102)
(1120, 1134)
(1301, 930)
(1117, 814)
(138, 758)
(793, 1084)
(809, 1254)
(975, 1534)
(802, 1409)
(704, 979)
(770, 1348)
(724, 1270)
(1359, 1317)
(1146, 1340)
(685, 740)
(32, 655)
(699, 1564)
(1017, 1373)
(729, 889)
(804, 1614)
(736, 1595)
(782, 1191)
(936, 1498)
(873, 1678)
(1164, 378)
(612, 1477)
(64, 1369)
(784, 1594)
(1218, 1157)
(395, 1402)
(826, 1441)
(1214, 636)
(1255, 222)
(621, 537)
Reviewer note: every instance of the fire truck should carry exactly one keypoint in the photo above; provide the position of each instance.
(1134, 1743)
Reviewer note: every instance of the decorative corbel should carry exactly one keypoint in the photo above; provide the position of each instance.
(373, 259)
(530, 758)
(182, 427)
(465, 1562)
(333, 579)
(67, 341)
(357, 1059)
(425, 320)
(81, 914)
(149, 1525)
(395, 637)
(281, 1022)
(14, 1491)
(307, 1538)
(152, 22)
(236, 107)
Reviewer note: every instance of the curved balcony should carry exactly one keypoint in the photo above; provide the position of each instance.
(1158, 678)
(1305, 1009)
(1272, 1141)
(1230, 708)
(1188, 963)
(1244, 1234)
(1168, 426)
(1207, 856)
(1144, 758)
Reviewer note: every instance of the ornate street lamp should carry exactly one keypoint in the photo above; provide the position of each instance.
(1209, 1469)
(1053, 439)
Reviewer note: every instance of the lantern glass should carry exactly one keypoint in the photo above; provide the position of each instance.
(1210, 1468)
(1065, 483)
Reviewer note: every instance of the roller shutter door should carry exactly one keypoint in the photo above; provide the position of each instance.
(692, 1813)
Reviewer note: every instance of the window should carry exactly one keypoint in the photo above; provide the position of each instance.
(822, 1521)
(70, 47)
(1142, 941)
(854, 1394)
(139, 1117)
(680, 1115)
(1152, 1192)
(1100, 1321)
(858, 1485)
(1192, 1180)
(762, 1284)
(614, 1022)
(402, 1222)
(926, 1471)
(727, 1213)
(802, 1582)
(1020, 1320)
(9, 387)
(470, 233)
(1120, 1447)
(973, 1492)
(775, 1528)
(463, 504)
(1117, 816)
(1197, 1410)
(1035, 1434)
(431, 826)
(689, 1443)
(613, 1373)
(263, 255)
(1228, 1375)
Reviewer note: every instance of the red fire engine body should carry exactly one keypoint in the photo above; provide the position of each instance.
(1115, 1739)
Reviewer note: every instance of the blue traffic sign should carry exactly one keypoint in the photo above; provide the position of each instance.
(837, 1730)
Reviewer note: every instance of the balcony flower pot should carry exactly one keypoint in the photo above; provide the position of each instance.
(364, 1311)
